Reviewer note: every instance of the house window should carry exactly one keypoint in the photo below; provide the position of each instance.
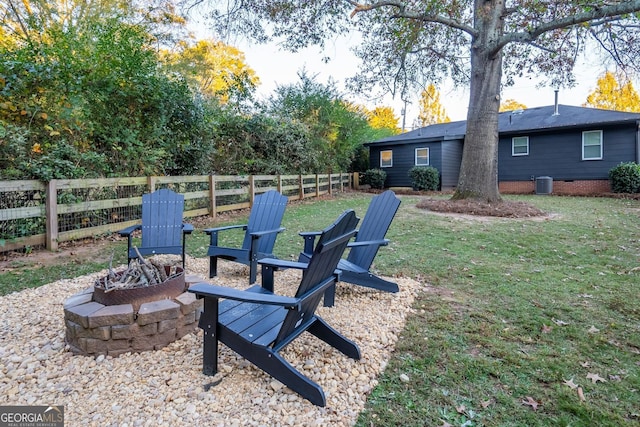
(592, 145)
(520, 146)
(386, 159)
(422, 157)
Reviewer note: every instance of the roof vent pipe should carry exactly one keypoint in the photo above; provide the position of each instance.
(555, 107)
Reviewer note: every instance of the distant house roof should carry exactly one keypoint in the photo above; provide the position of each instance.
(530, 120)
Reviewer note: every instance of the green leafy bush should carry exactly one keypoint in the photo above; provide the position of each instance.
(625, 178)
(375, 178)
(424, 178)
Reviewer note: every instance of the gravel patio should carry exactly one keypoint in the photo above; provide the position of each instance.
(167, 386)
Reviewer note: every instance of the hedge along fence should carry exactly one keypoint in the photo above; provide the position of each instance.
(33, 213)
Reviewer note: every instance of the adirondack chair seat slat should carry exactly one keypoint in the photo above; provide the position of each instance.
(257, 323)
(260, 235)
(258, 326)
(349, 266)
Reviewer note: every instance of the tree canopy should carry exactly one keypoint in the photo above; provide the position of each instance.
(91, 89)
(511, 104)
(480, 43)
(613, 93)
(431, 110)
(214, 68)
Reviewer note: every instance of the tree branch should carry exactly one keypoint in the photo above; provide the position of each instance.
(403, 13)
(608, 11)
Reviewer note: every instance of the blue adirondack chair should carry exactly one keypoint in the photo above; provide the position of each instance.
(362, 251)
(257, 324)
(163, 231)
(259, 238)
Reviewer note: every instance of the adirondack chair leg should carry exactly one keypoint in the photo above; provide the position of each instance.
(334, 338)
(183, 253)
(208, 323)
(330, 296)
(253, 270)
(369, 280)
(276, 366)
(267, 277)
(213, 266)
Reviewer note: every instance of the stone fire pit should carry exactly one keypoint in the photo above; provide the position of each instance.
(114, 322)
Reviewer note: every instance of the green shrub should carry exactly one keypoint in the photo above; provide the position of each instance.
(424, 178)
(375, 178)
(625, 178)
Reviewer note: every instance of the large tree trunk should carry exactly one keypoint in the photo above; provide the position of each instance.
(479, 169)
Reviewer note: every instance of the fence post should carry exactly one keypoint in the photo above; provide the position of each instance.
(356, 180)
(330, 183)
(252, 189)
(301, 186)
(280, 184)
(51, 214)
(151, 183)
(317, 185)
(212, 196)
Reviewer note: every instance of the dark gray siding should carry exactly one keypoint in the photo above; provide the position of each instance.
(451, 160)
(404, 159)
(559, 155)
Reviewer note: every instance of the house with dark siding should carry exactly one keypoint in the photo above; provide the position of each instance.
(573, 148)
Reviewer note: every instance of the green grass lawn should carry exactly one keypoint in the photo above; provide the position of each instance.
(522, 322)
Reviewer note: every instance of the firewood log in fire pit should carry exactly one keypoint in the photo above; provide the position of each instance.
(139, 274)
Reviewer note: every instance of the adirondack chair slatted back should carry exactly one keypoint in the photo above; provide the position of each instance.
(375, 225)
(266, 214)
(162, 213)
(321, 269)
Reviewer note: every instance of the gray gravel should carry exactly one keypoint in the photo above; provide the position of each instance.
(167, 387)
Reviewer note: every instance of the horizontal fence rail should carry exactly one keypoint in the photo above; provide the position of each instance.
(37, 214)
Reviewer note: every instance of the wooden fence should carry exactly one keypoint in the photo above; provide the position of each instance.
(36, 214)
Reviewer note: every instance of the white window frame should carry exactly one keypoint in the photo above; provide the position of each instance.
(421, 157)
(513, 145)
(601, 143)
(390, 162)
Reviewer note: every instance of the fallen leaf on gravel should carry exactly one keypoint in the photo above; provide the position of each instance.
(530, 401)
(595, 378)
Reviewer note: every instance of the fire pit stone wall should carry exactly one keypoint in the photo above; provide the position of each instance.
(94, 329)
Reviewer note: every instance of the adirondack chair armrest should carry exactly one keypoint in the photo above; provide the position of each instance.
(258, 234)
(309, 233)
(213, 232)
(383, 242)
(203, 290)
(127, 231)
(281, 263)
(228, 227)
(187, 228)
